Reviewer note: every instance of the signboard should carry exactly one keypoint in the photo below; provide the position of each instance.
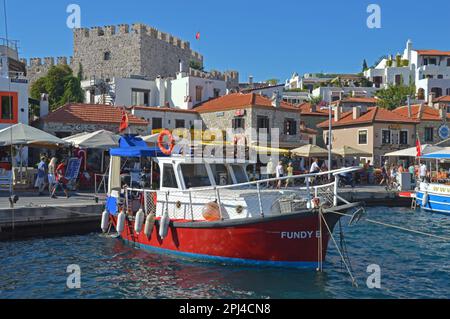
(73, 168)
(444, 132)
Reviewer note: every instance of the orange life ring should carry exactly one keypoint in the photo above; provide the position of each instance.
(166, 151)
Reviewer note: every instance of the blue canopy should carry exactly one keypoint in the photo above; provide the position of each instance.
(438, 155)
(132, 146)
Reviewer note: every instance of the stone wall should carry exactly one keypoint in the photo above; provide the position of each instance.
(39, 67)
(68, 129)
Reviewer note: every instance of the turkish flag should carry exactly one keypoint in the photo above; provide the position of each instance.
(123, 122)
(197, 36)
(418, 148)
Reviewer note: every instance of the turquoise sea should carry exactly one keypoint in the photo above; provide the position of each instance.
(412, 266)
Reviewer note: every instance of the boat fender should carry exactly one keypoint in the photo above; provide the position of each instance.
(149, 225)
(121, 222)
(425, 199)
(164, 226)
(139, 221)
(105, 221)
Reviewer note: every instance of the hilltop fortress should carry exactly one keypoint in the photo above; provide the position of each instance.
(124, 51)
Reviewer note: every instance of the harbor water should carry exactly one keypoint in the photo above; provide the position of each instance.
(412, 266)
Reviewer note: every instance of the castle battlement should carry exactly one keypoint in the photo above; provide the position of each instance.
(46, 61)
(215, 75)
(133, 29)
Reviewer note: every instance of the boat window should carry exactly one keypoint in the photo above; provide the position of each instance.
(221, 174)
(169, 179)
(195, 175)
(240, 174)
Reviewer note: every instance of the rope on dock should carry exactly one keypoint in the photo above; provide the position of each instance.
(398, 227)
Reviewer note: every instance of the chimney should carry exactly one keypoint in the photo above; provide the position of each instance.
(337, 113)
(181, 66)
(341, 95)
(431, 97)
(409, 107)
(443, 112)
(275, 100)
(250, 80)
(419, 114)
(43, 105)
(356, 112)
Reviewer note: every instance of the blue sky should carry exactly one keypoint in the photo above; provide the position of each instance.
(266, 39)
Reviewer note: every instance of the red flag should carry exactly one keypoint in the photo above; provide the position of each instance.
(418, 148)
(123, 122)
(197, 36)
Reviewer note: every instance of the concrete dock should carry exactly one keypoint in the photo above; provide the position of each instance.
(37, 216)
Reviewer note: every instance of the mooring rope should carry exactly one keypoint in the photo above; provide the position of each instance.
(398, 227)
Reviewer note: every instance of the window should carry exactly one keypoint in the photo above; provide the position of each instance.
(221, 174)
(432, 61)
(240, 174)
(169, 179)
(385, 137)
(362, 137)
(403, 137)
(157, 123)
(290, 127)
(429, 134)
(425, 61)
(195, 175)
(447, 92)
(179, 123)
(198, 93)
(238, 123)
(448, 62)
(440, 76)
(398, 79)
(107, 56)
(216, 93)
(140, 97)
(8, 107)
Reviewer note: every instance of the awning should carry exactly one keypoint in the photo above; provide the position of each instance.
(131, 146)
(442, 154)
(101, 140)
(350, 151)
(25, 135)
(412, 151)
(310, 151)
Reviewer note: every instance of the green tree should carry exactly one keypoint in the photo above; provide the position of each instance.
(60, 85)
(315, 100)
(365, 66)
(272, 81)
(80, 72)
(395, 96)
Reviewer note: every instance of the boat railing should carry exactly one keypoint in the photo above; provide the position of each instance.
(197, 198)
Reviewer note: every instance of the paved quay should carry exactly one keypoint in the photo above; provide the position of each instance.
(34, 216)
(374, 196)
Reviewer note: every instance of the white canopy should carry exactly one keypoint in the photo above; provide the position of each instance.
(25, 135)
(101, 139)
(150, 138)
(412, 152)
(310, 151)
(351, 151)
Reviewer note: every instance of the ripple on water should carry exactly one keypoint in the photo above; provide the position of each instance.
(412, 266)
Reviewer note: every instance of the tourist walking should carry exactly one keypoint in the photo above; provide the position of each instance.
(279, 173)
(290, 173)
(384, 175)
(41, 176)
(52, 174)
(61, 180)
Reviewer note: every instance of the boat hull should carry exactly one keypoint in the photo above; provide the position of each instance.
(436, 203)
(287, 240)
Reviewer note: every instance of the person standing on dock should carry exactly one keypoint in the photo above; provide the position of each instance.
(280, 173)
(41, 174)
(52, 174)
(290, 173)
(423, 172)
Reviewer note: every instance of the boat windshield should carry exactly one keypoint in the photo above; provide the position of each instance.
(195, 175)
(221, 174)
(239, 173)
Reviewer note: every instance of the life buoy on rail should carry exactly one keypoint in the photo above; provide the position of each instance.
(164, 150)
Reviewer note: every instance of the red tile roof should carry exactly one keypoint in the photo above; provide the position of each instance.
(373, 114)
(306, 110)
(91, 113)
(426, 113)
(238, 101)
(160, 109)
(433, 52)
(445, 98)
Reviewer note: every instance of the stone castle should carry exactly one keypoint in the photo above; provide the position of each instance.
(126, 51)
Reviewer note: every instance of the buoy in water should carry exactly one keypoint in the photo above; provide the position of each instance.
(139, 221)
(149, 225)
(121, 222)
(164, 225)
(105, 221)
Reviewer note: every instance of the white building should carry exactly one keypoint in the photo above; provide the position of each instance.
(13, 87)
(429, 70)
(331, 93)
(183, 92)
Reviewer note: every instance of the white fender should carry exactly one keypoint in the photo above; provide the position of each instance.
(105, 221)
(121, 222)
(139, 221)
(164, 225)
(149, 225)
(425, 199)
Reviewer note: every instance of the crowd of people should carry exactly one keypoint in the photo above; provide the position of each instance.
(51, 174)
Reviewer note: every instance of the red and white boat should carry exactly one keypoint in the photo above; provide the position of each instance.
(209, 210)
